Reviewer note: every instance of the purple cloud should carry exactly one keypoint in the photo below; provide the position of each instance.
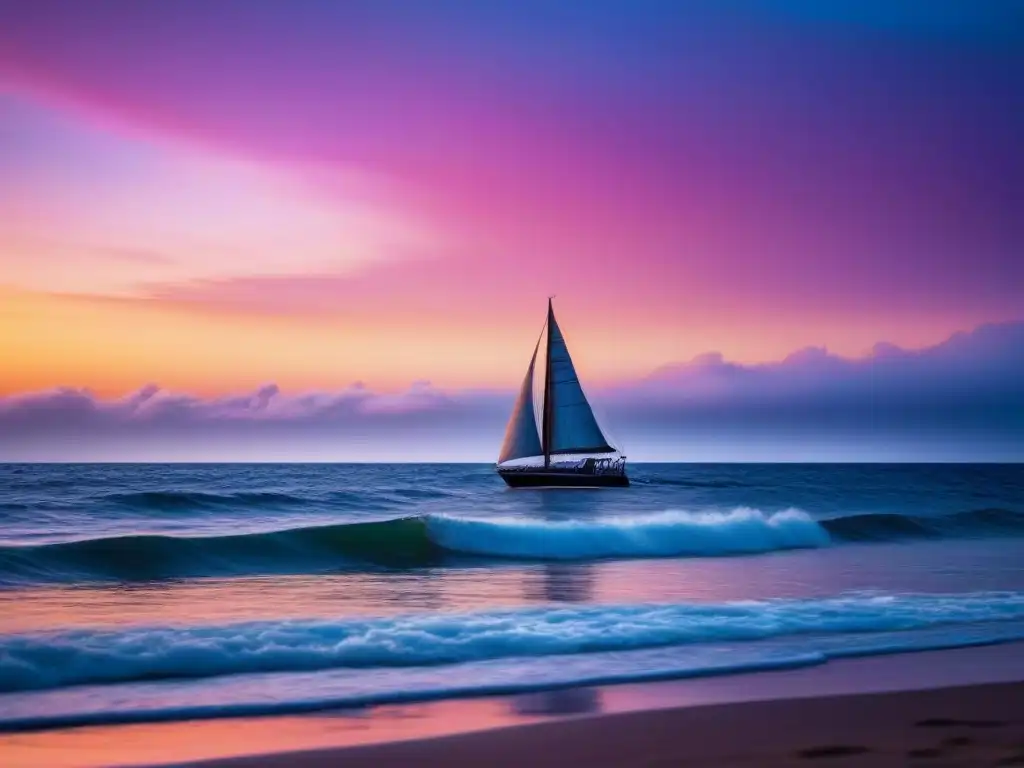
(988, 361)
(962, 399)
(68, 408)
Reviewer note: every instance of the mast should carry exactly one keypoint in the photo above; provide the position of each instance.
(548, 420)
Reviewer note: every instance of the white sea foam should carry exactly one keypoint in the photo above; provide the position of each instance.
(278, 693)
(662, 534)
(49, 660)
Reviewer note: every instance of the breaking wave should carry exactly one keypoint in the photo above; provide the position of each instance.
(664, 534)
(434, 539)
(109, 656)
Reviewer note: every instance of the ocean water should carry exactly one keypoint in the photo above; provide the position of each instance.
(133, 593)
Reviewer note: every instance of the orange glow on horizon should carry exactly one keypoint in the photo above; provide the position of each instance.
(115, 346)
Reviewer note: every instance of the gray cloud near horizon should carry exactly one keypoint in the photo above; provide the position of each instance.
(961, 399)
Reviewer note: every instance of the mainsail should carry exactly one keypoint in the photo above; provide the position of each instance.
(570, 425)
(567, 424)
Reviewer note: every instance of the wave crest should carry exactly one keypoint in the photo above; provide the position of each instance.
(664, 534)
(432, 539)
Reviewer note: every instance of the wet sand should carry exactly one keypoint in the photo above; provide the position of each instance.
(958, 708)
(964, 726)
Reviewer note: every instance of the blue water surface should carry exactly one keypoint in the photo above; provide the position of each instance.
(154, 592)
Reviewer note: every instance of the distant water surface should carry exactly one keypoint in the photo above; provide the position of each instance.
(159, 592)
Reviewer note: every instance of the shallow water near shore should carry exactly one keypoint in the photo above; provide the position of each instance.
(184, 741)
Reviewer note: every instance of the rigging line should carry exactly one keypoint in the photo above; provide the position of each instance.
(546, 437)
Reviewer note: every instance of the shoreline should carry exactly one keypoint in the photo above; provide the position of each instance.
(254, 742)
(968, 725)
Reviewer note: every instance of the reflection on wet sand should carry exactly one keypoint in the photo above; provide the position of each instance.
(566, 583)
(568, 701)
(188, 740)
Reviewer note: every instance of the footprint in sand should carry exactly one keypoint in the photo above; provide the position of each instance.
(838, 750)
(925, 752)
(947, 722)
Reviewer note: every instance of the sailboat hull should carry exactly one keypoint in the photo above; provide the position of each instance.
(556, 478)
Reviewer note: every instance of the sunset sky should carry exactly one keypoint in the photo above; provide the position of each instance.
(224, 197)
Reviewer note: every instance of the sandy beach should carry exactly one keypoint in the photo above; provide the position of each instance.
(962, 726)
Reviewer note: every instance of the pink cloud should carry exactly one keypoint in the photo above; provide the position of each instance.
(627, 153)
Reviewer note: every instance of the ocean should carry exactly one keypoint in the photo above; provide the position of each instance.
(144, 593)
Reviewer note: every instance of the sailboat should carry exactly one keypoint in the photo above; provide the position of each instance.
(553, 438)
